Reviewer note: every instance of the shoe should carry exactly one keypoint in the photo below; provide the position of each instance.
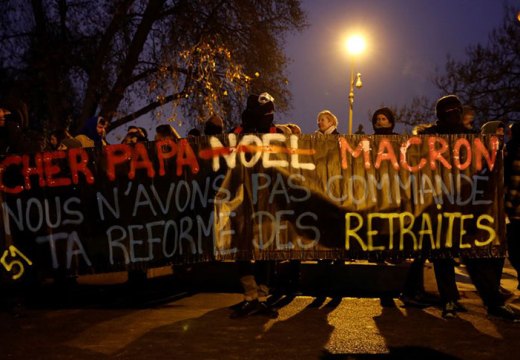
(266, 310)
(459, 307)
(415, 302)
(504, 312)
(449, 310)
(247, 308)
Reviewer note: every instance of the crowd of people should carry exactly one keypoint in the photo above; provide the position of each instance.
(258, 117)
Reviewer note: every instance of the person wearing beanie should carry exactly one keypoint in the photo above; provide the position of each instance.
(484, 272)
(383, 122)
(327, 123)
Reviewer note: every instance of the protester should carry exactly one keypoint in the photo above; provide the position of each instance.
(61, 139)
(468, 116)
(512, 199)
(214, 126)
(383, 122)
(359, 130)
(327, 123)
(93, 133)
(496, 127)
(483, 271)
(194, 133)
(135, 135)
(284, 129)
(413, 294)
(256, 118)
(295, 129)
(166, 131)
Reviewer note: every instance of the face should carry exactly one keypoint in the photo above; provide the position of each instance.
(3, 114)
(500, 131)
(452, 116)
(382, 122)
(54, 140)
(100, 128)
(467, 120)
(325, 121)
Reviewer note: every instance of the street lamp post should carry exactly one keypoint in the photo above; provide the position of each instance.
(357, 84)
(355, 45)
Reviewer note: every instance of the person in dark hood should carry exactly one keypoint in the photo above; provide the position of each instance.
(495, 127)
(258, 117)
(484, 272)
(383, 122)
(214, 125)
(93, 133)
(449, 111)
(166, 131)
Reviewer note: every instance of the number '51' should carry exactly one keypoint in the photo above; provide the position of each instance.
(11, 263)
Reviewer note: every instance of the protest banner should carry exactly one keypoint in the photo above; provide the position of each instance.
(251, 196)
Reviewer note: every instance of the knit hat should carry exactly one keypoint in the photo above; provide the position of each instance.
(259, 113)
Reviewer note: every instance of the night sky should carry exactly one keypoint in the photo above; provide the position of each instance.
(407, 41)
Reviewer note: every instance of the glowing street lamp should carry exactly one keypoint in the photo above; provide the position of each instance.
(355, 45)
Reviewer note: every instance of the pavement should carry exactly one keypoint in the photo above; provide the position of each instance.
(102, 317)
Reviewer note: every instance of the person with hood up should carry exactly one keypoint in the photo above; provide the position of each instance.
(214, 125)
(93, 133)
(256, 118)
(495, 127)
(166, 131)
(383, 122)
(413, 295)
(483, 271)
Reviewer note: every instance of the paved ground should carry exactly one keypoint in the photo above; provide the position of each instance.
(111, 322)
